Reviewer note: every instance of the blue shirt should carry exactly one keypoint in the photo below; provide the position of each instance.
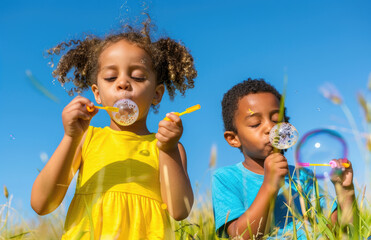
(234, 189)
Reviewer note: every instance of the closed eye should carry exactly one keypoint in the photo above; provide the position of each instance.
(139, 79)
(255, 126)
(110, 79)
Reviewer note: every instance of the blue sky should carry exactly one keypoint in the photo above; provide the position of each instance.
(313, 42)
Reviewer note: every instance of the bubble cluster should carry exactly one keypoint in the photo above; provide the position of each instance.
(320, 146)
(127, 114)
(283, 135)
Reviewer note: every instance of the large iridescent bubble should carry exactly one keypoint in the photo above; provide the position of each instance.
(320, 146)
(127, 114)
(283, 135)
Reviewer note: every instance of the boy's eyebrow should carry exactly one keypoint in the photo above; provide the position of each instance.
(274, 111)
(257, 114)
(252, 114)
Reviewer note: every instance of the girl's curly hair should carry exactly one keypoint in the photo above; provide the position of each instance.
(171, 60)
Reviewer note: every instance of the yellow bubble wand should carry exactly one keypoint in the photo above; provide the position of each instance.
(112, 109)
(188, 110)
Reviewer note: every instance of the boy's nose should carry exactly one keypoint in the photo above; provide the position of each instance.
(269, 126)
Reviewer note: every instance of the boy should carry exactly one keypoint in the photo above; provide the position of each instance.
(244, 195)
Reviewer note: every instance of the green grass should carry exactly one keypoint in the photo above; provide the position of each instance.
(200, 224)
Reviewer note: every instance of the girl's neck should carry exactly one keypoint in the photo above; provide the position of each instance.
(256, 166)
(139, 127)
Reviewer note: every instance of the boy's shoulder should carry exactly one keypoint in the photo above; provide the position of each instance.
(227, 170)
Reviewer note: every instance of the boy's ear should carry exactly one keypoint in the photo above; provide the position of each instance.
(232, 139)
(95, 90)
(159, 92)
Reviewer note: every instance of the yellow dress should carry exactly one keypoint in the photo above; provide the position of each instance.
(118, 190)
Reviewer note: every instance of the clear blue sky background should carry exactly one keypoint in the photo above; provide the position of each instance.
(314, 42)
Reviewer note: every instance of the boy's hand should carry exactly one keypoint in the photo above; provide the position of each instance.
(275, 170)
(169, 132)
(76, 118)
(341, 175)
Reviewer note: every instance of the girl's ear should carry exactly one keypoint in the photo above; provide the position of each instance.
(232, 139)
(159, 92)
(95, 90)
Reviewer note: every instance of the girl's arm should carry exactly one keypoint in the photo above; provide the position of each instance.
(52, 182)
(176, 190)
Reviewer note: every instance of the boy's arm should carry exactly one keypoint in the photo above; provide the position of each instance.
(52, 182)
(344, 188)
(257, 215)
(346, 199)
(176, 190)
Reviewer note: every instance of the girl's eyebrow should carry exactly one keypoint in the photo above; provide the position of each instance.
(108, 67)
(139, 65)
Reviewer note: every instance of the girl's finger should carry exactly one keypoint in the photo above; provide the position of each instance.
(174, 118)
(83, 101)
(81, 115)
(161, 138)
(169, 126)
(166, 132)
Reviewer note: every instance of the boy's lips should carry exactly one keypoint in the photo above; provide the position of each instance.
(269, 144)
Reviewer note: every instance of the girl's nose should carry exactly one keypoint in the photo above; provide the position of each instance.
(123, 84)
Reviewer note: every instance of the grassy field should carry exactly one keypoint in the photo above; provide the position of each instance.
(200, 224)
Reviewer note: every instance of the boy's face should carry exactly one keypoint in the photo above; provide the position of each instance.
(255, 116)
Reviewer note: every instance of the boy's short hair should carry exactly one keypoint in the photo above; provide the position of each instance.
(231, 98)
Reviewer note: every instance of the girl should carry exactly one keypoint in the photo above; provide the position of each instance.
(129, 178)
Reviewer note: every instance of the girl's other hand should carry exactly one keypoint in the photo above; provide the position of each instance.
(76, 118)
(275, 170)
(342, 175)
(169, 132)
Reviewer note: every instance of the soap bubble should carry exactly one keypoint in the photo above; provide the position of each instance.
(283, 135)
(320, 146)
(127, 114)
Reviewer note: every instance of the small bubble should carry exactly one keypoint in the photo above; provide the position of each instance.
(44, 157)
(12, 137)
(318, 109)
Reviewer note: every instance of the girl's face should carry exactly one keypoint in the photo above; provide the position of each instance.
(255, 116)
(125, 71)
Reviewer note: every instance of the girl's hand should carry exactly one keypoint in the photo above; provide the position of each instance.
(275, 170)
(169, 132)
(76, 118)
(342, 175)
